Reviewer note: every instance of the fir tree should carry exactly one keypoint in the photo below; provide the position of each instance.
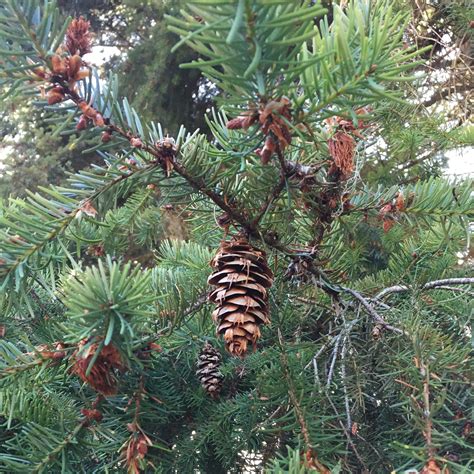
(339, 336)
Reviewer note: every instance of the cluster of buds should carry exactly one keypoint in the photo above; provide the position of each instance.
(89, 114)
(273, 117)
(103, 375)
(342, 145)
(389, 211)
(78, 37)
(135, 448)
(66, 68)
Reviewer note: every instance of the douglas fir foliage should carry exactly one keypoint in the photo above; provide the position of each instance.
(365, 364)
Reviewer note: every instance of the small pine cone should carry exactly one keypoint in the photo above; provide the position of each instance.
(242, 277)
(208, 371)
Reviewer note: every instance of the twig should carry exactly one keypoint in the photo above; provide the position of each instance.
(333, 361)
(348, 436)
(371, 311)
(60, 447)
(427, 411)
(344, 386)
(436, 284)
(196, 306)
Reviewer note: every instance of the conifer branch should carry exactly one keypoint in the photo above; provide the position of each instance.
(70, 438)
(310, 453)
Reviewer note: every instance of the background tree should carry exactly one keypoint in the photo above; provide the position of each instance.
(365, 364)
(149, 76)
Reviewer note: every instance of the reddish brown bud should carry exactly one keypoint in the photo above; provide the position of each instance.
(155, 347)
(108, 364)
(40, 72)
(96, 250)
(74, 65)
(342, 150)
(106, 137)
(93, 415)
(235, 123)
(58, 65)
(87, 110)
(59, 352)
(388, 223)
(55, 95)
(136, 142)
(267, 151)
(400, 202)
(82, 123)
(386, 209)
(224, 220)
(98, 120)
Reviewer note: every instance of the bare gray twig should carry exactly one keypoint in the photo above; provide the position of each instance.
(436, 284)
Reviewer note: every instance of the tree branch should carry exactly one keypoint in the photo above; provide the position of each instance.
(436, 284)
(371, 311)
(444, 93)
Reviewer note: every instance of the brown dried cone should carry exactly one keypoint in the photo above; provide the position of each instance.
(242, 277)
(208, 371)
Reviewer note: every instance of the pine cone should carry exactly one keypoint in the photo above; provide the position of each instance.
(242, 277)
(208, 370)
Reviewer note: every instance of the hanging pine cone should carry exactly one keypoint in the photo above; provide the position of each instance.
(242, 277)
(208, 370)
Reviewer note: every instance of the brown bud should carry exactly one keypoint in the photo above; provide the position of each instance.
(153, 346)
(82, 123)
(106, 137)
(93, 415)
(136, 142)
(74, 64)
(40, 72)
(55, 95)
(59, 65)
(224, 220)
(235, 123)
(82, 74)
(87, 110)
(267, 151)
(400, 202)
(98, 120)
